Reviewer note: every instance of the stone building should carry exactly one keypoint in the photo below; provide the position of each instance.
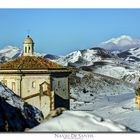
(36, 80)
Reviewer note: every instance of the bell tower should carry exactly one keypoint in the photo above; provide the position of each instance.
(28, 46)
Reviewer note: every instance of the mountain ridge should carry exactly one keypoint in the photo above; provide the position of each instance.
(112, 48)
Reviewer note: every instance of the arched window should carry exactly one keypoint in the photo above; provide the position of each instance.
(33, 84)
(29, 48)
(25, 49)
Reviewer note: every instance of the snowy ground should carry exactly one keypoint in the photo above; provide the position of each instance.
(109, 98)
(118, 108)
(74, 121)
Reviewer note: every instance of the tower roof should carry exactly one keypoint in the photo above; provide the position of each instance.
(28, 40)
(29, 63)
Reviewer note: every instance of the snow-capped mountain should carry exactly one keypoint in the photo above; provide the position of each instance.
(84, 57)
(121, 43)
(10, 52)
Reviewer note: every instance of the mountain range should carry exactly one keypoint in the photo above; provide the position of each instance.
(124, 47)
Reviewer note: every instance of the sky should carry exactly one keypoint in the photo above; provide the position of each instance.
(61, 31)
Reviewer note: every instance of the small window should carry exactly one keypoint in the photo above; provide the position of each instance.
(33, 84)
(14, 86)
(59, 85)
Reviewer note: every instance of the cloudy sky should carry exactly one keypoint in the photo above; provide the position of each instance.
(61, 31)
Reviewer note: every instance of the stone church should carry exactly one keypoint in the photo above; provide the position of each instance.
(38, 81)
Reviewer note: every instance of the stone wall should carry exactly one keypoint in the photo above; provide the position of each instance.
(40, 102)
(31, 84)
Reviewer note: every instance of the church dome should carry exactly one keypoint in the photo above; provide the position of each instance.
(28, 40)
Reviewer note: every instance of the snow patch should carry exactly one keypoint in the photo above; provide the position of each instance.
(79, 121)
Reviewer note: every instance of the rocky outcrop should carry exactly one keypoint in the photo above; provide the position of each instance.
(15, 114)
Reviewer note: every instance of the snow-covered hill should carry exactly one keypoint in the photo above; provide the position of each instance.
(121, 43)
(84, 57)
(116, 69)
(132, 55)
(76, 121)
(87, 86)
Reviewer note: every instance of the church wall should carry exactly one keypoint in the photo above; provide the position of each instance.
(42, 103)
(31, 84)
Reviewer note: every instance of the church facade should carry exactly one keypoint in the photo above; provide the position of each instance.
(38, 81)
